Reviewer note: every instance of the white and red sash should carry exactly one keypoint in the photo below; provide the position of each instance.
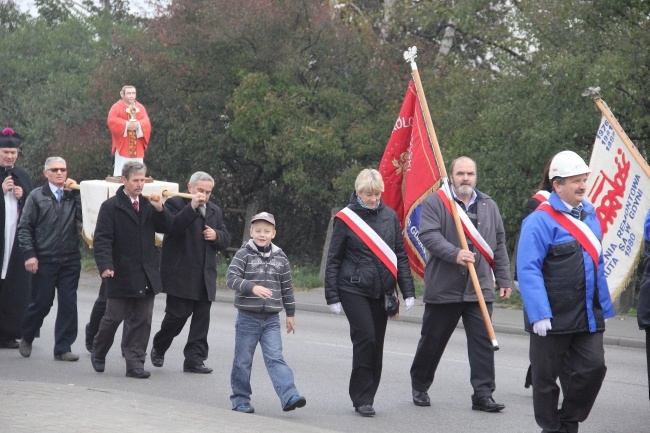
(470, 230)
(370, 237)
(541, 196)
(577, 229)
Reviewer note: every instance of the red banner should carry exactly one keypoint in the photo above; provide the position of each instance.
(410, 173)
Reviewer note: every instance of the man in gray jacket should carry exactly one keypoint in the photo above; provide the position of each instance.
(449, 292)
(49, 240)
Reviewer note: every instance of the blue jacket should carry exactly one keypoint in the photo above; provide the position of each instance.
(557, 277)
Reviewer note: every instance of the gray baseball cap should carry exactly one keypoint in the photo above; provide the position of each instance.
(263, 216)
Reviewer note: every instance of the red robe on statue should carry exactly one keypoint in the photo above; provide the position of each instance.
(126, 143)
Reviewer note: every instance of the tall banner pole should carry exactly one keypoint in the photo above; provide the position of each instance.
(409, 56)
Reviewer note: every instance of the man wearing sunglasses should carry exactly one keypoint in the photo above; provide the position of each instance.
(53, 257)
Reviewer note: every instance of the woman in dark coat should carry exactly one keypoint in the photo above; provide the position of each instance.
(544, 189)
(356, 281)
(643, 307)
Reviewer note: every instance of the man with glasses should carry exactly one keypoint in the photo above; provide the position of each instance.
(53, 257)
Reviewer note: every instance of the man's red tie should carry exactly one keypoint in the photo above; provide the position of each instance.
(135, 206)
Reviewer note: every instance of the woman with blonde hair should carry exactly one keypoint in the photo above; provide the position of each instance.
(365, 262)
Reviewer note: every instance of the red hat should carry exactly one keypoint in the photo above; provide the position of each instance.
(8, 138)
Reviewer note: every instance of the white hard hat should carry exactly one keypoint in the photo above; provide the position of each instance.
(566, 164)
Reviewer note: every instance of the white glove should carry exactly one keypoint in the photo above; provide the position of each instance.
(541, 326)
(335, 308)
(409, 302)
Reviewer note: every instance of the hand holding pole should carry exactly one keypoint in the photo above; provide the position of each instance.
(165, 193)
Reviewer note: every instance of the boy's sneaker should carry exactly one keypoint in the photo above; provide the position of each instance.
(294, 402)
(244, 408)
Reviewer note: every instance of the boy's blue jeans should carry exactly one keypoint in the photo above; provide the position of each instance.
(249, 330)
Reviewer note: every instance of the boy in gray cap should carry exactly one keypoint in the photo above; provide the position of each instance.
(260, 275)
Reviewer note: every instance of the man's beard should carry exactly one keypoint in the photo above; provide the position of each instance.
(464, 190)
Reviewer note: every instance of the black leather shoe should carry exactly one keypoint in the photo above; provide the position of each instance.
(365, 410)
(138, 373)
(25, 348)
(201, 369)
(98, 364)
(421, 398)
(487, 404)
(9, 344)
(158, 360)
(89, 346)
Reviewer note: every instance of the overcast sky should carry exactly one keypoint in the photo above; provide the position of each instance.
(137, 7)
(24, 5)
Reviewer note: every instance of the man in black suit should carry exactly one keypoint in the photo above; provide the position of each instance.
(127, 259)
(15, 281)
(189, 272)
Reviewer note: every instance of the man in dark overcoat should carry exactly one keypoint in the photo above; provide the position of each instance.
(127, 259)
(189, 272)
(15, 282)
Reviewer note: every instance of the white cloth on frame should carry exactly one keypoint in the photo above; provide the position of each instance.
(120, 161)
(11, 223)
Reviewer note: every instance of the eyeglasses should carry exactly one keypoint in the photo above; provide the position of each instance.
(58, 170)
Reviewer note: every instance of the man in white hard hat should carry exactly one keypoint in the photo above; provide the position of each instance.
(566, 298)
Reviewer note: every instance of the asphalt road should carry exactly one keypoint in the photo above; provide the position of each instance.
(320, 355)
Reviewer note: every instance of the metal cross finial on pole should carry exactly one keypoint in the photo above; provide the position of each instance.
(410, 55)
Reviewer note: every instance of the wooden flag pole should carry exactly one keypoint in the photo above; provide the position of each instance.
(409, 56)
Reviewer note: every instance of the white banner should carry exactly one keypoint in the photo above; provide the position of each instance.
(94, 192)
(620, 191)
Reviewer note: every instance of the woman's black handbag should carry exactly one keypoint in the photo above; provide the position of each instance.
(391, 304)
